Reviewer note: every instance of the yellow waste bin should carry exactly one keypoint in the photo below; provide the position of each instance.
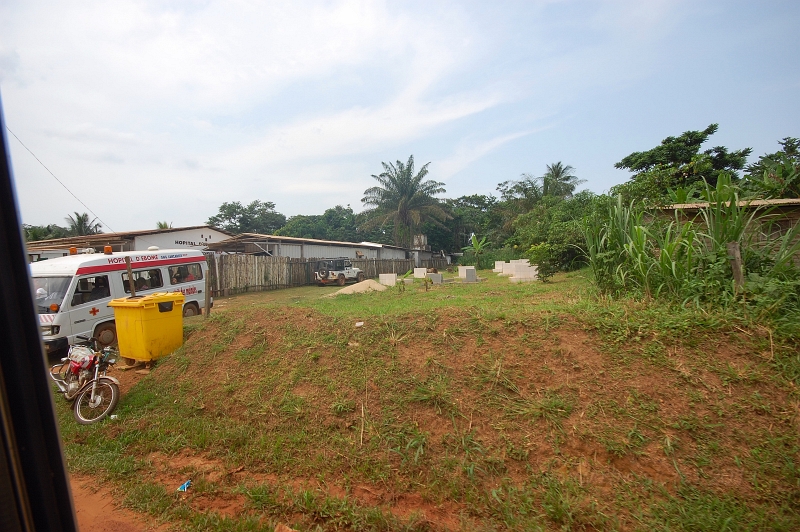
(149, 327)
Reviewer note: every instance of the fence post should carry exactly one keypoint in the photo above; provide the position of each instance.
(735, 256)
(207, 309)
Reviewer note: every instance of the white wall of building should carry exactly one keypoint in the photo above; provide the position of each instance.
(184, 238)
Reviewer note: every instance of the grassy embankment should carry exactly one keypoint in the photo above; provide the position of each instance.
(474, 407)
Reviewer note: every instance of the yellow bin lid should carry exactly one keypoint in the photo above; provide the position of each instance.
(148, 300)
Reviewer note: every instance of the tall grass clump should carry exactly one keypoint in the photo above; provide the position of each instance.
(686, 259)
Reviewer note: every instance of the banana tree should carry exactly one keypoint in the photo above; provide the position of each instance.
(477, 248)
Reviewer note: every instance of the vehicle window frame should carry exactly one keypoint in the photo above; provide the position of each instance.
(173, 270)
(67, 280)
(137, 274)
(77, 290)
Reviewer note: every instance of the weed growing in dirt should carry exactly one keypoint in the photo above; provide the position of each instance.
(551, 406)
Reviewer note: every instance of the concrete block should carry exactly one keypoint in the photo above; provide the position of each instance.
(462, 269)
(389, 279)
(419, 273)
(436, 278)
(508, 269)
(471, 276)
(498, 266)
(523, 271)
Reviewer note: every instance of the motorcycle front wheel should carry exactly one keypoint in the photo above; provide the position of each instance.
(89, 411)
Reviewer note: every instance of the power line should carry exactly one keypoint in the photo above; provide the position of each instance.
(59, 181)
(66, 188)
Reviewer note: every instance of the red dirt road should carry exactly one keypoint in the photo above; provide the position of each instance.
(97, 512)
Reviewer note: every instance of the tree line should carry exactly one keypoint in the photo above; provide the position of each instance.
(77, 225)
(536, 216)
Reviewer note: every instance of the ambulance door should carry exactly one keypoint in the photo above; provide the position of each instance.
(88, 304)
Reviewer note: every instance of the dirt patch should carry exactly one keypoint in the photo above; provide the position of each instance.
(96, 510)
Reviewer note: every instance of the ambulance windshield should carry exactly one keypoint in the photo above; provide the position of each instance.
(49, 290)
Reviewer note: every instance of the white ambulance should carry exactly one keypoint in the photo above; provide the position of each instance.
(72, 293)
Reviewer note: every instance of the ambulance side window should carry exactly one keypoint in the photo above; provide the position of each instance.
(91, 289)
(185, 273)
(143, 280)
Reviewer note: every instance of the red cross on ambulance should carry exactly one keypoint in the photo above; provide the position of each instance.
(94, 311)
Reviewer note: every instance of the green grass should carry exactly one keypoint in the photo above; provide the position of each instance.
(477, 399)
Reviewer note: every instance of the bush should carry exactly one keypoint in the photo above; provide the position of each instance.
(687, 261)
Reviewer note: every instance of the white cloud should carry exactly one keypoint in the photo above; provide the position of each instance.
(357, 130)
(469, 152)
(289, 101)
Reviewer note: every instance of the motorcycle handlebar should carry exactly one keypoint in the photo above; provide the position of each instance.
(91, 340)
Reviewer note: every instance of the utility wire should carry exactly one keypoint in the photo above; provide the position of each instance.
(59, 181)
(67, 189)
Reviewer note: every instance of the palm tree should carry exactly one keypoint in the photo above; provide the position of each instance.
(404, 200)
(163, 225)
(81, 226)
(559, 181)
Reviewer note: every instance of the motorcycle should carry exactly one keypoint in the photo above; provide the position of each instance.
(81, 377)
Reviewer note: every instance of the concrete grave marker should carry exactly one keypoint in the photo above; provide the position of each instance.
(436, 278)
(470, 275)
(508, 269)
(389, 279)
(524, 274)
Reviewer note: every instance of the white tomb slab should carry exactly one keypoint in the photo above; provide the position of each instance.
(420, 273)
(524, 274)
(508, 269)
(498, 266)
(389, 279)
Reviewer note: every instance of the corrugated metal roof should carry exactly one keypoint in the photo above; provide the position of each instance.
(101, 239)
(742, 203)
(244, 238)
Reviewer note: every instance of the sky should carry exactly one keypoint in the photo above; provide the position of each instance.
(154, 111)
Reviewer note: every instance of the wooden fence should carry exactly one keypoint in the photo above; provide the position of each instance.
(234, 274)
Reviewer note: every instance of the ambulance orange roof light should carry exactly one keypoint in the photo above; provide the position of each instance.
(73, 251)
(107, 250)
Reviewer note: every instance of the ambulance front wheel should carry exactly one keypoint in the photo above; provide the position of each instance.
(106, 334)
(190, 309)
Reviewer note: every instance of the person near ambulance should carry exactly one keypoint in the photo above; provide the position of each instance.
(100, 290)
